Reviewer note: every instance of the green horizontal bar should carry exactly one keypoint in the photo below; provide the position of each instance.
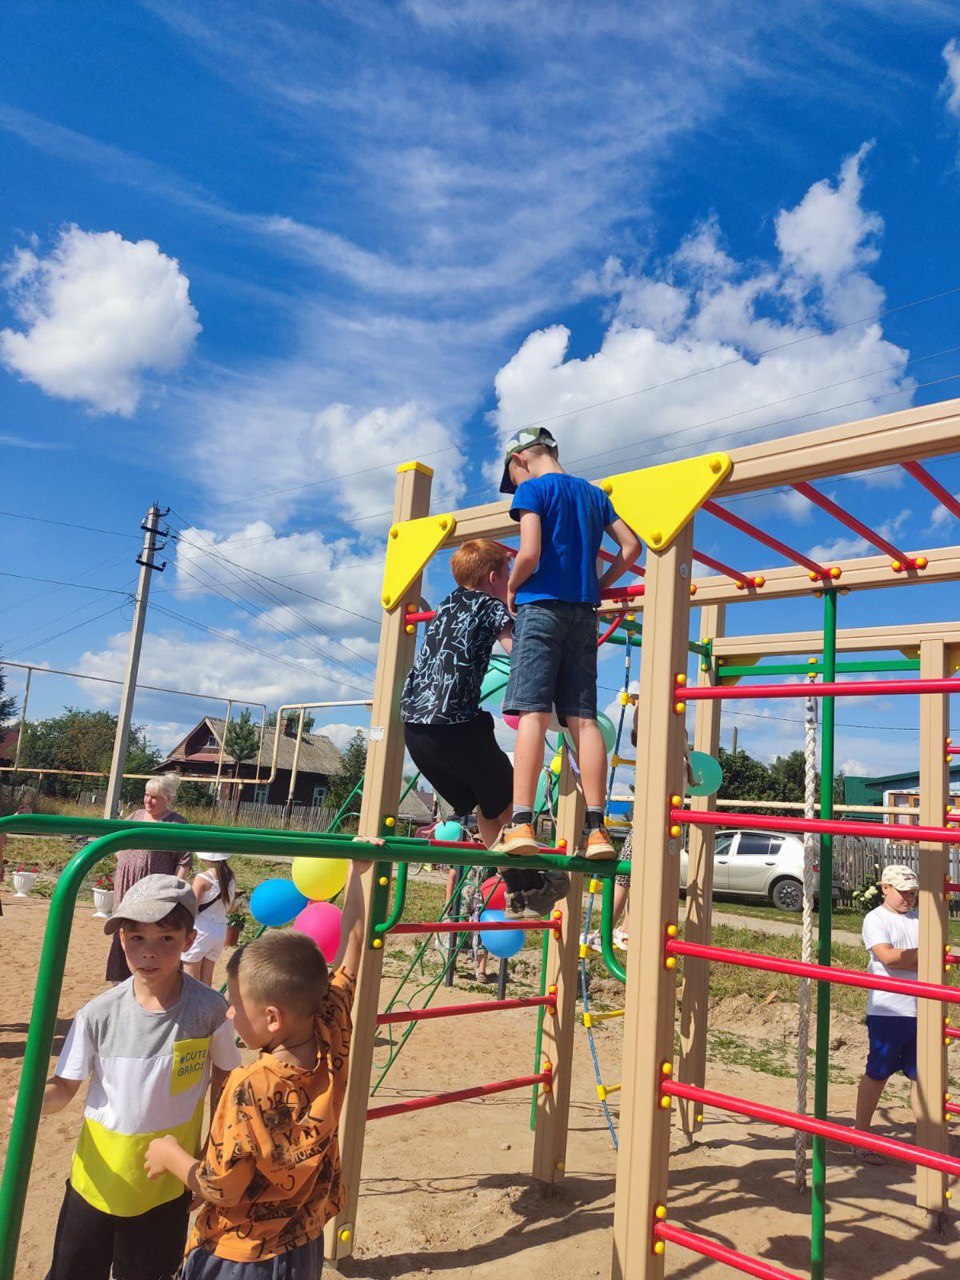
(816, 668)
(636, 639)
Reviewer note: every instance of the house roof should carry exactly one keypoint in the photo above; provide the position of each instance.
(317, 753)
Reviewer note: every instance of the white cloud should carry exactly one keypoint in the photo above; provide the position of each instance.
(98, 314)
(951, 85)
(702, 350)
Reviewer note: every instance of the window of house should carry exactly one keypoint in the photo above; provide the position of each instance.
(319, 794)
(261, 793)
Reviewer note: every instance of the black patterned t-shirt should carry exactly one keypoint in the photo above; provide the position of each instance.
(443, 686)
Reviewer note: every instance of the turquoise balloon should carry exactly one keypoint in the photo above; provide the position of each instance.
(276, 902)
(492, 688)
(608, 729)
(502, 943)
(448, 830)
(707, 773)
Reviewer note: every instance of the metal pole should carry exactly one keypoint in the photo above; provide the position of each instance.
(818, 1208)
(288, 807)
(122, 740)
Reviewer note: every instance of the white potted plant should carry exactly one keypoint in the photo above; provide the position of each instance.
(24, 878)
(103, 897)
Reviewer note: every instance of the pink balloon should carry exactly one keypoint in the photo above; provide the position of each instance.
(321, 922)
(510, 720)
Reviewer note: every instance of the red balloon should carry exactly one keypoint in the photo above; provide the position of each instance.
(321, 922)
(499, 900)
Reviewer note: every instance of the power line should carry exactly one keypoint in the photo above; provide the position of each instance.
(243, 644)
(58, 582)
(65, 524)
(67, 630)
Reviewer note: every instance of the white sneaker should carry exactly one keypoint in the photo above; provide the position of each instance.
(592, 940)
(620, 939)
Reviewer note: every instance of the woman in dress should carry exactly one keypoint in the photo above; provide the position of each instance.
(134, 864)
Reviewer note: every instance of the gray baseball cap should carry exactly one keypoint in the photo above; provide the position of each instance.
(151, 900)
(519, 441)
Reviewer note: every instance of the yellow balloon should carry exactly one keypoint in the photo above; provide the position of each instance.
(556, 763)
(319, 879)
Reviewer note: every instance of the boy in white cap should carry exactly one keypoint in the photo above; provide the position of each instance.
(891, 935)
(150, 1048)
(555, 590)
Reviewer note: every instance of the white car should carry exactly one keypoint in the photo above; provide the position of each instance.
(761, 864)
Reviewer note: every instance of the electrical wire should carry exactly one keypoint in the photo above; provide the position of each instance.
(65, 524)
(58, 582)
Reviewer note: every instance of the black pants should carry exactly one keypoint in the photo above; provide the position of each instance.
(146, 1247)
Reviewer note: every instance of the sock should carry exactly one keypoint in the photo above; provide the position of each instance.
(522, 814)
(594, 819)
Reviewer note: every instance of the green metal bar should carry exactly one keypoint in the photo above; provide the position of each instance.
(538, 1043)
(606, 931)
(399, 900)
(816, 668)
(249, 840)
(345, 807)
(818, 1207)
(620, 637)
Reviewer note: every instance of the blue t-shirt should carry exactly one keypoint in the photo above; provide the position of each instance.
(573, 515)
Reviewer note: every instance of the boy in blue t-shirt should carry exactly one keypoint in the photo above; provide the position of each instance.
(554, 591)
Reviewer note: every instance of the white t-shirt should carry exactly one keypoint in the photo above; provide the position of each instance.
(212, 917)
(902, 932)
(148, 1072)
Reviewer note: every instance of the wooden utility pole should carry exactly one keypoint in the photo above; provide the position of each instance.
(151, 532)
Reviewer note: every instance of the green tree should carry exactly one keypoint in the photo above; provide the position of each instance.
(786, 777)
(241, 741)
(82, 741)
(8, 705)
(290, 722)
(743, 777)
(353, 765)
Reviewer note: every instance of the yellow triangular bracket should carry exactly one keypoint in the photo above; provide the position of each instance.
(409, 546)
(658, 501)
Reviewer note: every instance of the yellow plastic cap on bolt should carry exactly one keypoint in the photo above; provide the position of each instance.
(344, 1234)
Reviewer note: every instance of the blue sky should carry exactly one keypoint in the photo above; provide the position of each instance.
(257, 255)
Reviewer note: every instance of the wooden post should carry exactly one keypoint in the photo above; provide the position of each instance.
(934, 866)
(692, 1066)
(381, 790)
(642, 1173)
(553, 1108)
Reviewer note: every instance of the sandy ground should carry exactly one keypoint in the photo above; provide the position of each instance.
(446, 1191)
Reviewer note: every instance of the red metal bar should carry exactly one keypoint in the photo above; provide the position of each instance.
(741, 579)
(622, 593)
(827, 689)
(807, 1124)
(951, 1033)
(459, 1095)
(476, 926)
(953, 751)
(605, 636)
(951, 1109)
(943, 496)
(832, 827)
(766, 539)
(838, 513)
(951, 886)
(461, 1010)
(713, 1249)
(819, 972)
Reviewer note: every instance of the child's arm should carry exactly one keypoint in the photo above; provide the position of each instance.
(165, 1155)
(527, 558)
(505, 639)
(56, 1094)
(895, 957)
(630, 548)
(352, 922)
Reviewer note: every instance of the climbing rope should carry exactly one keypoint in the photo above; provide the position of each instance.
(809, 858)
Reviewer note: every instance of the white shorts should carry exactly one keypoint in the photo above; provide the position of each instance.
(207, 945)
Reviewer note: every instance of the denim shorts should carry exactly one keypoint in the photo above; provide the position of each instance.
(893, 1046)
(554, 660)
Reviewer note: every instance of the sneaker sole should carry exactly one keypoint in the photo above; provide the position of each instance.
(599, 855)
(519, 849)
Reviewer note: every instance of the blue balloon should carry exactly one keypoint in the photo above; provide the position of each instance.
(503, 943)
(276, 902)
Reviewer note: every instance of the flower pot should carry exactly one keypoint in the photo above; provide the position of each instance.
(23, 882)
(233, 935)
(103, 903)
